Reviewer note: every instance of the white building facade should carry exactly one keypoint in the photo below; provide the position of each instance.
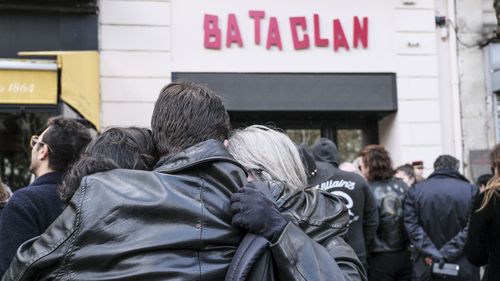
(145, 44)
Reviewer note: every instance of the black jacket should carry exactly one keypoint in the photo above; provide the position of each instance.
(363, 214)
(29, 211)
(312, 212)
(436, 215)
(391, 235)
(483, 241)
(324, 218)
(171, 224)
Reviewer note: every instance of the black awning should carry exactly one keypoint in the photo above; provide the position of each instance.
(310, 92)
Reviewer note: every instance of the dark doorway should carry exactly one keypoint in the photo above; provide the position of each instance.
(15, 152)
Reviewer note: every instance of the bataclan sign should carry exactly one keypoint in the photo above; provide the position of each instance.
(298, 29)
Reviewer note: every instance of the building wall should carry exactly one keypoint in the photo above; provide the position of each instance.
(475, 21)
(136, 62)
(416, 129)
(135, 59)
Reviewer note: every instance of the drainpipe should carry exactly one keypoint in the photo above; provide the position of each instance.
(455, 87)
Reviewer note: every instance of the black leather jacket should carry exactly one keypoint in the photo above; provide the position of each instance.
(171, 224)
(391, 233)
(325, 219)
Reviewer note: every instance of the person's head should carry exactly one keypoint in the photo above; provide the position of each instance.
(58, 145)
(405, 173)
(493, 186)
(126, 148)
(268, 154)
(317, 172)
(325, 150)
(376, 164)
(447, 162)
(483, 180)
(186, 114)
(418, 168)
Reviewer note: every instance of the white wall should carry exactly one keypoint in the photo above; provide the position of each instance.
(142, 41)
(475, 22)
(415, 130)
(134, 41)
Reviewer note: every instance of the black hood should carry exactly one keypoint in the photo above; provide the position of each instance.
(325, 150)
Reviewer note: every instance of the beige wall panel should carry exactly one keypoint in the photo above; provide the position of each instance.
(417, 66)
(417, 88)
(146, 38)
(414, 20)
(135, 64)
(418, 111)
(132, 89)
(135, 12)
(126, 114)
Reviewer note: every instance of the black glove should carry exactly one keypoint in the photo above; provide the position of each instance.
(255, 212)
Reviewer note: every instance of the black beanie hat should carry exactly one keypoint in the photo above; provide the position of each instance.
(325, 150)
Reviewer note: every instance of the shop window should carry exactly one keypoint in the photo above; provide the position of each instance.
(15, 152)
(305, 136)
(350, 143)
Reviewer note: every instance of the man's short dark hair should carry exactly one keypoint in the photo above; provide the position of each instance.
(446, 162)
(484, 179)
(66, 138)
(185, 114)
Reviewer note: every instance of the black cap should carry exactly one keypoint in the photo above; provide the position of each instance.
(317, 172)
(325, 150)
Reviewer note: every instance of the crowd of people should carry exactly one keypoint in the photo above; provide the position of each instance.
(189, 199)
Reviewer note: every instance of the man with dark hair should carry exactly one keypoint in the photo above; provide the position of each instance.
(482, 181)
(436, 213)
(174, 223)
(186, 114)
(354, 190)
(32, 209)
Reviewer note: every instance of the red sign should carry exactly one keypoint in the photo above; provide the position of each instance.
(298, 25)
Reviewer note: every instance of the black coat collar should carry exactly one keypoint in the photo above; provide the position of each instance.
(203, 152)
(448, 174)
(49, 178)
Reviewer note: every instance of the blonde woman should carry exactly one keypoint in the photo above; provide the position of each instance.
(483, 242)
(269, 155)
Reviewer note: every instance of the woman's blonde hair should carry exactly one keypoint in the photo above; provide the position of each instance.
(268, 155)
(493, 186)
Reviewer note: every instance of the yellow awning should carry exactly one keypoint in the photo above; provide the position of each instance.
(79, 81)
(21, 85)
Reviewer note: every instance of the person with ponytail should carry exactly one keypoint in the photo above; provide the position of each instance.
(483, 241)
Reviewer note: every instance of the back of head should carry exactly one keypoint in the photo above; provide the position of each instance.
(325, 150)
(268, 155)
(185, 114)
(447, 162)
(378, 161)
(482, 180)
(66, 138)
(407, 169)
(126, 148)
